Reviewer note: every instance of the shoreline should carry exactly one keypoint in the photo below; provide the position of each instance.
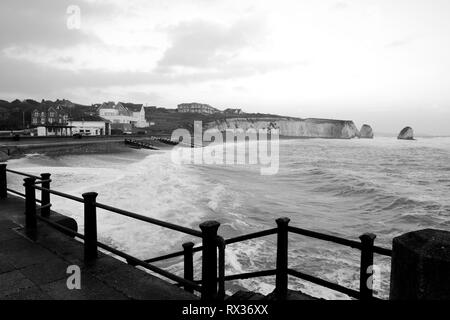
(61, 149)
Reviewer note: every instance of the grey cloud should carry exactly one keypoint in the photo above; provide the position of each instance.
(202, 43)
(31, 78)
(43, 22)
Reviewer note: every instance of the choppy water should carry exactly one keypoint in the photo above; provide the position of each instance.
(340, 187)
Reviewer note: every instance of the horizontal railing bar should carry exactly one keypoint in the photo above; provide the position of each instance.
(227, 241)
(160, 223)
(48, 205)
(61, 194)
(325, 237)
(43, 181)
(150, 267)
(251, 236)
(23, 174)
(20, 194)
(172, 255)
(324, 283)
(248, 275)
(382, 251)
(60, 227)
(167, 256)
(16, 192)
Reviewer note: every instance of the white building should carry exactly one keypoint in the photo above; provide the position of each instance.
(195, 107)
(123, 113)
(90, 125)
(54, 130)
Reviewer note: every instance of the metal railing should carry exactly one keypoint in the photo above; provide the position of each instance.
(212, 283)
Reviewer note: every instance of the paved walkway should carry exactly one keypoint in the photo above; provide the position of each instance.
(37, 269)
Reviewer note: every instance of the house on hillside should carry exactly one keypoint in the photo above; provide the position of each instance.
(124, 113)
(195, 107)
(137, 112)
(51, 119)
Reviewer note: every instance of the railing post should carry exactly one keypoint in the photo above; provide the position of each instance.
(366, 271)
(45, 195)
(281, 282)
(90, 226)
(209, 260)
(188, 264)
(30, 207)
(3, 182)
(222, 246)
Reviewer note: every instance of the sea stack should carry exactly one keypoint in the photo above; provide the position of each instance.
(366, 132)
(406, 134)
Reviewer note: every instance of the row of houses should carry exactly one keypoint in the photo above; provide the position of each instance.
(62, 117)
(101, 119)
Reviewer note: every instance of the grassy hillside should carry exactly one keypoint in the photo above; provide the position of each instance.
(167, 121)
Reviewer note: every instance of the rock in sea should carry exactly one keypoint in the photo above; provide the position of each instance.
(366, 132)
(406, 134)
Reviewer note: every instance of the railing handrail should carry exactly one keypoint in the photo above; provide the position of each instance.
(259, 234)
(241, 238)
(45, 180)
(324, 283)
(130, 214)
(366, 245)
(23, 174)
(337, 240)
(61, 194)
(154, 221)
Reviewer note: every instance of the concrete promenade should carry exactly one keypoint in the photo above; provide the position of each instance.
(37, 269)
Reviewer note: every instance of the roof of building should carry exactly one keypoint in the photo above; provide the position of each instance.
(45, 106)
(107, 105)
(88, 117)
(133, 107)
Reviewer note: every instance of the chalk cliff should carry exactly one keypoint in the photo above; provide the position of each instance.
(366, 132)
(407, 133)
(292, 127)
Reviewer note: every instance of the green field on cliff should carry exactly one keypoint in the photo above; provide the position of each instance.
(167, 120)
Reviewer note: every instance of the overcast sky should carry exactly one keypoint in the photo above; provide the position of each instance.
(385, 63)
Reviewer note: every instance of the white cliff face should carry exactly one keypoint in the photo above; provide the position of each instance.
(366, 132)
(406, 134)
(307, 128)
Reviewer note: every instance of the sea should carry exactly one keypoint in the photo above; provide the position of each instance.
(344, 188)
